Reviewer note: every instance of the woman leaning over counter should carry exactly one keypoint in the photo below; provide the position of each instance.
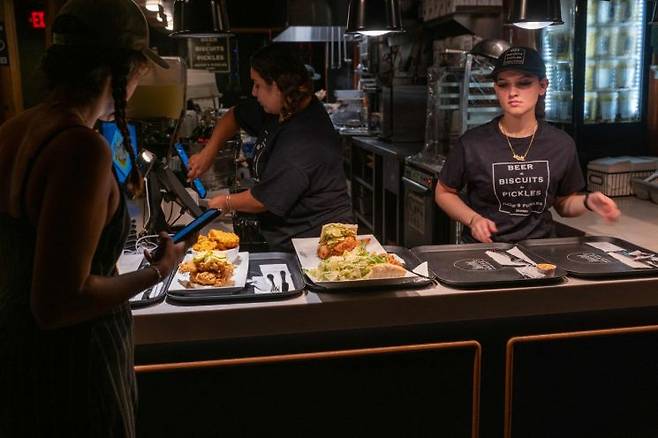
(516, 167)
(300, 182)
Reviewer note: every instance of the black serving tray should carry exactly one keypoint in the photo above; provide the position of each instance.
(155, 294)
(581, 260)
(410, 260)
(467, 266)
(247, 293)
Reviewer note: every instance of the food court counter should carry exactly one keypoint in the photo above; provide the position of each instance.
(555, 356)
(353, 310)
(454, 354)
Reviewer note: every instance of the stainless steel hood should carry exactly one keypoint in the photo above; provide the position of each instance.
(314, 21)
(310, 34)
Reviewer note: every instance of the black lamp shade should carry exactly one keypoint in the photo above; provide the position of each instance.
(534, 11)
(365, 16)
(200, 19)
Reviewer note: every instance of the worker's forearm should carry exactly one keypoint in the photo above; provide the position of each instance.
(571, 206)
(454, 207)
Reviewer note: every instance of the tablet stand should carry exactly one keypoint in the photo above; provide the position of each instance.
(161, 184)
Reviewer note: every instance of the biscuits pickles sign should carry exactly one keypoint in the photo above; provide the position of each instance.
(4, 52)
(210, 54)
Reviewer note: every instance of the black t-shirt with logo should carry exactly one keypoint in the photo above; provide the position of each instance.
(515, 195)
(298, 166)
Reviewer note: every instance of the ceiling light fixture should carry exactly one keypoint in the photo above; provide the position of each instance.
(373, 17)
(200, 19)
(534, 14)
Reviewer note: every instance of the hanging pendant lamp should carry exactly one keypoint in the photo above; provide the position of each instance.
(200, 19)
(534, 14)
(373, 17)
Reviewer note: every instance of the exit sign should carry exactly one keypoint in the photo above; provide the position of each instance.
(37, 19)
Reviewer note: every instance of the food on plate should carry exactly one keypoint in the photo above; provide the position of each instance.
(209, 268)
(546, 268)
(336, 239)
(216, 239)
(357, 264)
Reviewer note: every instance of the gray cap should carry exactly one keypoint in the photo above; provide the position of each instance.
(111, 24)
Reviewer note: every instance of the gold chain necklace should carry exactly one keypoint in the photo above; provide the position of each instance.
(516, 156)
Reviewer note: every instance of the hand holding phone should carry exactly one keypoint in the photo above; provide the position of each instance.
(196, 183)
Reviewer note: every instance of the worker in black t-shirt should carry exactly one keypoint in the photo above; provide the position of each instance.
(298, 161)
(515, 168)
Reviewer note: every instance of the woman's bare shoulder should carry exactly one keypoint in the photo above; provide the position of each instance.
(84, 147)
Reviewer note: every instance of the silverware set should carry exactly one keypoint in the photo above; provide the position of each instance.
(285, 286)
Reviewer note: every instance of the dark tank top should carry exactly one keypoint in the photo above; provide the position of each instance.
(72, 381)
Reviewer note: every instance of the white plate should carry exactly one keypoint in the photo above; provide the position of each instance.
(307, 249)
(241, 269)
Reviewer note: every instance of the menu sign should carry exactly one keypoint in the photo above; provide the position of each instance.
(212, 54)
(4, 52)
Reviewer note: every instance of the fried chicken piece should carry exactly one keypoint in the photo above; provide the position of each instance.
(323, 252)
(223, 240)
(204, 244)
(348, 244)
(187, 267)
(204, 278)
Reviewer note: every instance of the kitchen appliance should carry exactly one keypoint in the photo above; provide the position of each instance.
(424, 222)
(403, 113)
(597, 68)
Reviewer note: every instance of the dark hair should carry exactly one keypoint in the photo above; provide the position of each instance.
(276, 63)
(81, 72)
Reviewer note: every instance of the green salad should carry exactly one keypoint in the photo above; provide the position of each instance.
(353, 265)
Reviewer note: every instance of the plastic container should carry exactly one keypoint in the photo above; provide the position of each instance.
(590, 74)
(604, 12)
(628, 104)
(590, 107)
(605, 75)
(623, 10)
(604, 41)
(625, 74)
(608, 105)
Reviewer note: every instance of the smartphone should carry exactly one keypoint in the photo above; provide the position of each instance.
(197, 184)
(204, 219)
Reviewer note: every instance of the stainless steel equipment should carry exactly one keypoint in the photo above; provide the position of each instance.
(460, 97)
(424, 222)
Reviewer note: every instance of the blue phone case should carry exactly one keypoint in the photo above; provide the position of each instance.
(196, 224)
(198, 185)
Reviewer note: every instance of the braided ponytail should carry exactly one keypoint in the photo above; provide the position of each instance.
(120, 71)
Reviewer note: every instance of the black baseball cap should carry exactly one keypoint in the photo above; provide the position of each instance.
(108, 24)
(522, 59)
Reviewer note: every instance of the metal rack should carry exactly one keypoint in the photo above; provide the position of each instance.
(460, 97)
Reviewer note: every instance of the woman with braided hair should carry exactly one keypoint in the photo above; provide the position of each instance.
(298, 161)
(66, 348)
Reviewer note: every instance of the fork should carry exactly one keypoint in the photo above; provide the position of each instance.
(275, 288)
